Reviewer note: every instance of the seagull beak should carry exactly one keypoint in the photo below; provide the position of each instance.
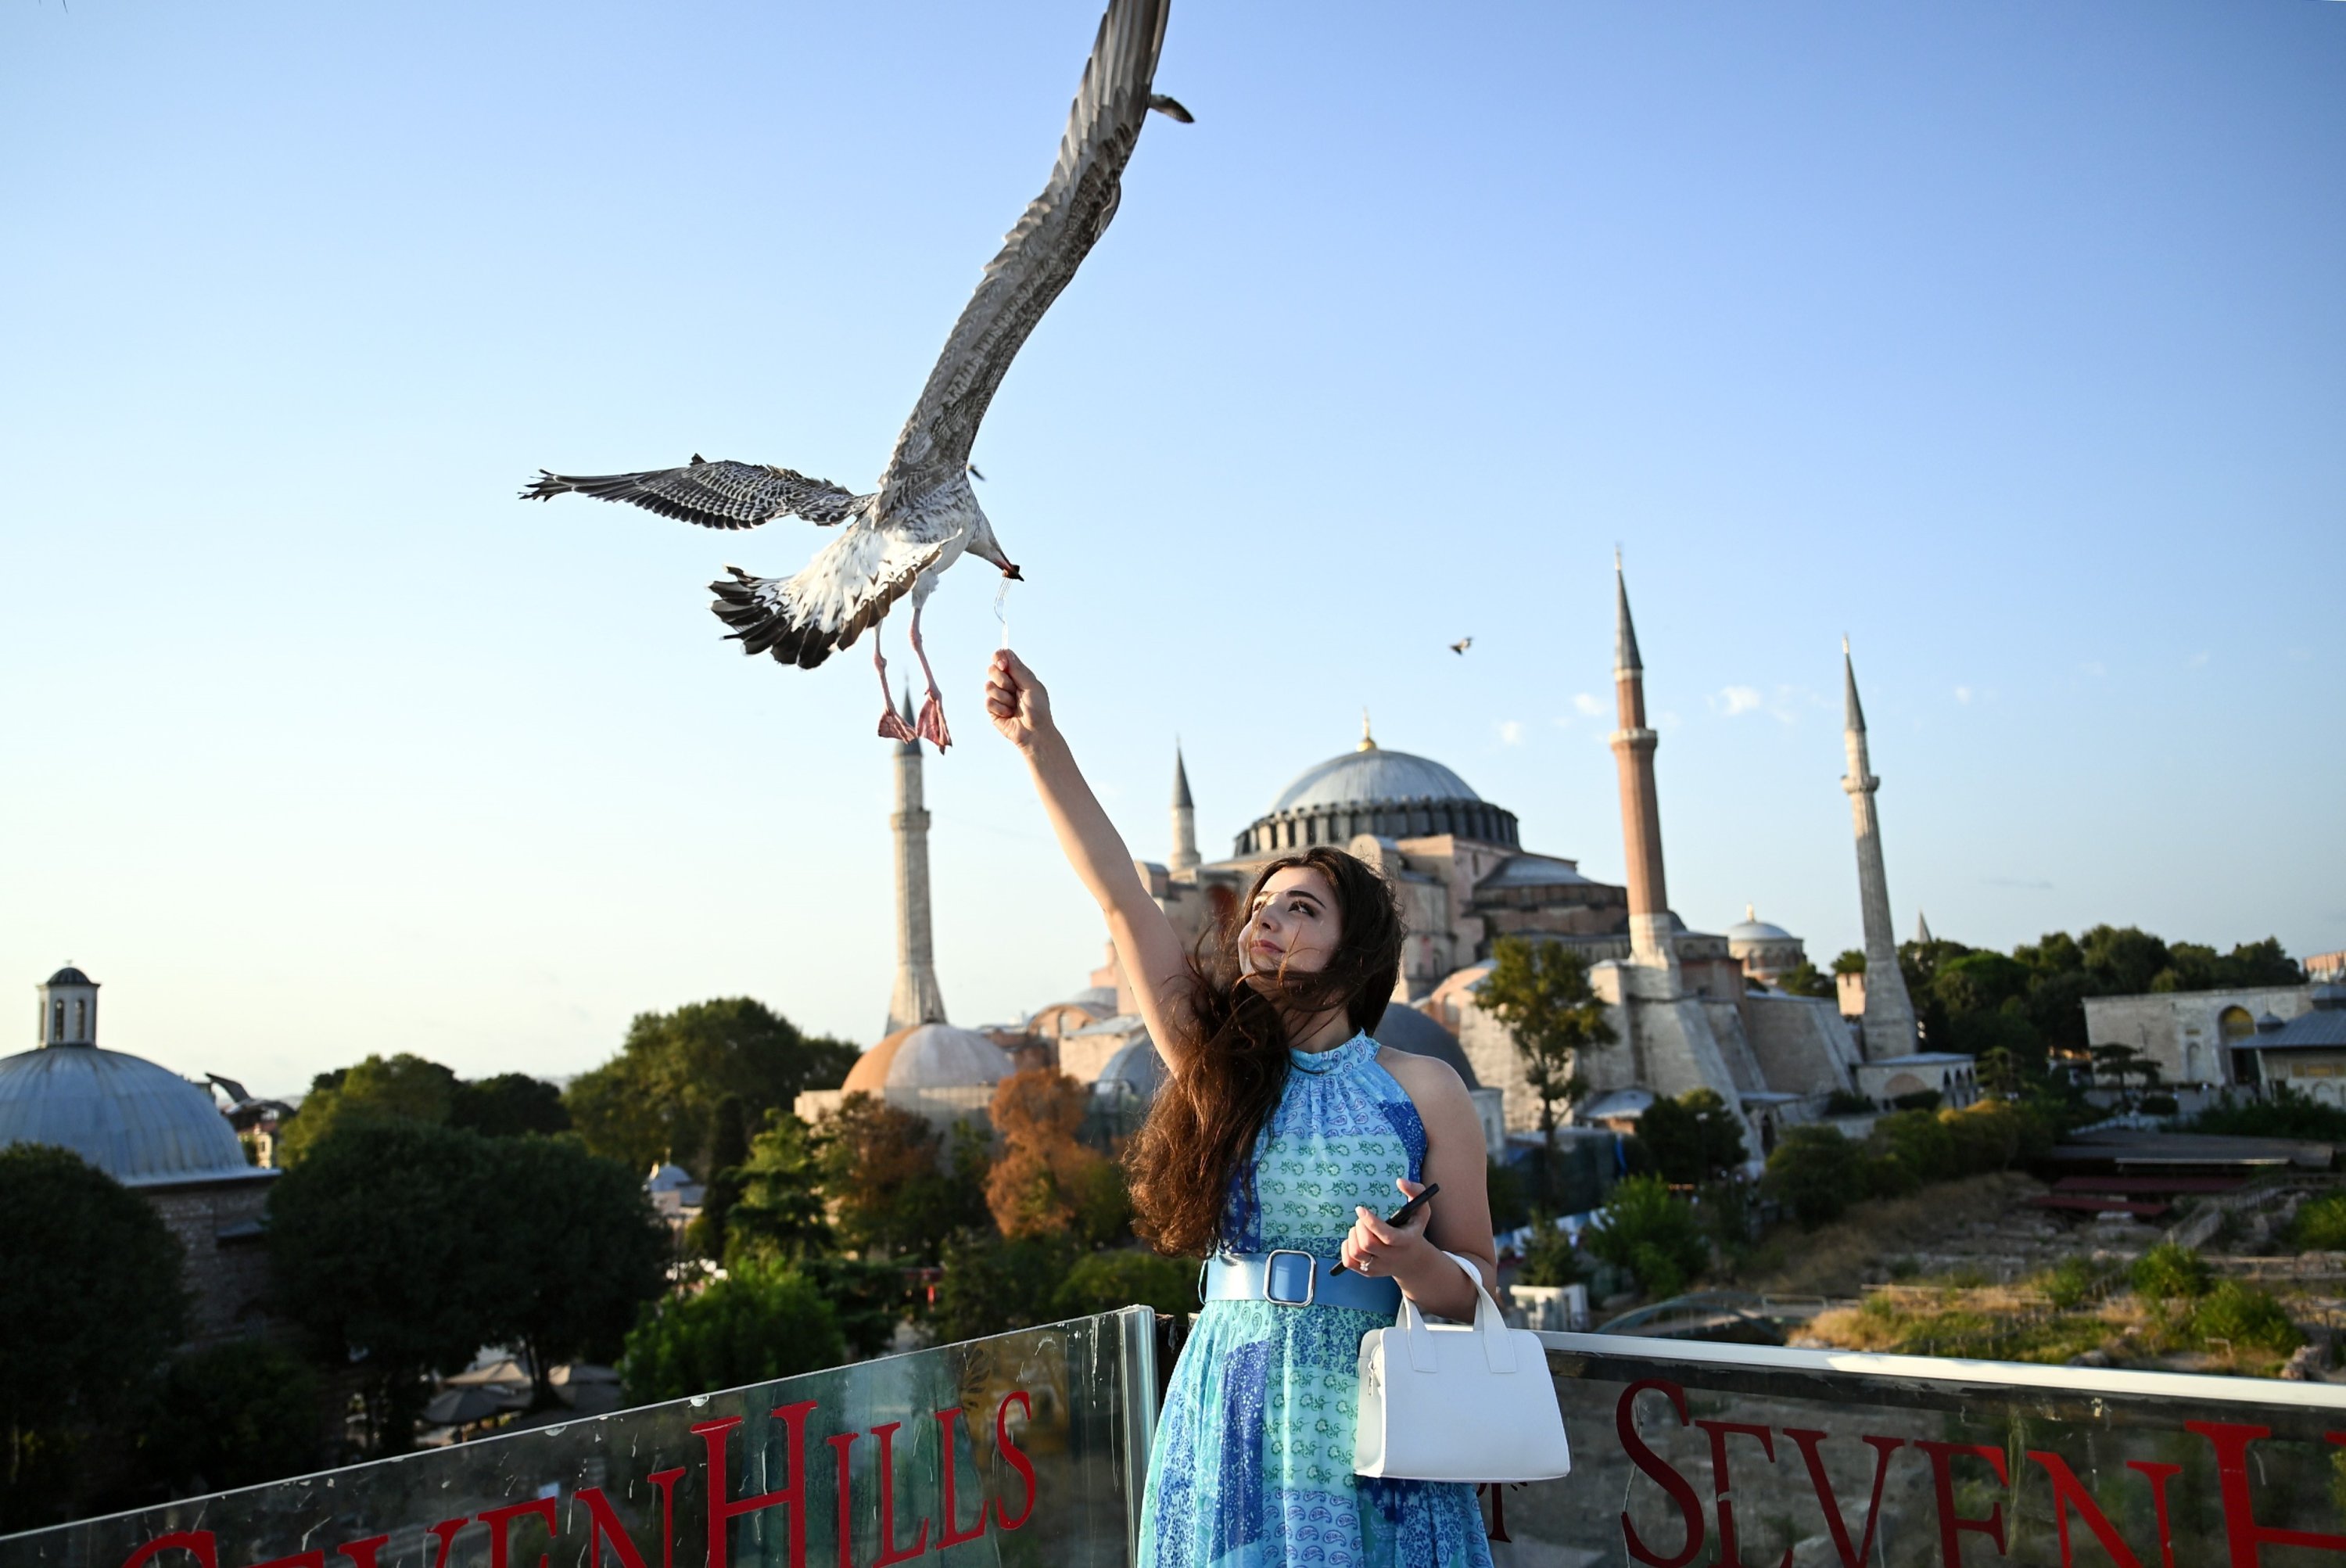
(1013, 574)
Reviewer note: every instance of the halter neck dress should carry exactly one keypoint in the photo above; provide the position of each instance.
(1252, 1466)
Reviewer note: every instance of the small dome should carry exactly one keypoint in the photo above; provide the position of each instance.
(1404, 1028)
(1751, 928)
(928, 1056)
(1136, 1068)
(1368, 775)
(142, 1125)
(69, 975)
(2328, 998)
(2271, 1022)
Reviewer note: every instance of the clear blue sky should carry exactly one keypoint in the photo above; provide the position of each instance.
(2007, 338)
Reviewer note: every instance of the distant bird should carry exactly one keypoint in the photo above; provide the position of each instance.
(905, 534)
(1462, 644)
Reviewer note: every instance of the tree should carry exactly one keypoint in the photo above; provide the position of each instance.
(991, 1286)
(508, 1105)
(778, 1216)
(1643, 1229)
(1805, 979)
(654, 1100)
(1127, 1277)
(367, 1236)
(751, 1328)
(1045, 1182)
(1816, 1172)
(2120, 1062)
(1999, 1071)
(1851, 961)
(1539, 991)
(1692, 1138)
(90, 1305)
(234, 1414)
(579, 1249)
(883, 1183)
(403, 1086)
(728, 1146)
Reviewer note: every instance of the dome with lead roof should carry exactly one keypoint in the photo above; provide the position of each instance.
(1371, 790)
(142, 1125)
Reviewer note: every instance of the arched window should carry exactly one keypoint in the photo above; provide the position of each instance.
(81, 1018)
(57, 1020)
(2234, 1024)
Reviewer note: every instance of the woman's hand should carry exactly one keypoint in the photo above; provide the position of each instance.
(1016, 700)
(1383, 1251)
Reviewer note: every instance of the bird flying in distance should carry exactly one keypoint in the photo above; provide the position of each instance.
(1460, 645)
(921, 518)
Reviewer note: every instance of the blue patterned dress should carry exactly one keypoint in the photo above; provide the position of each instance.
(1253, 1461)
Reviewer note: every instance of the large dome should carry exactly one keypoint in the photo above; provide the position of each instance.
(1392, 794)
(142, 1125)
(928, 1056)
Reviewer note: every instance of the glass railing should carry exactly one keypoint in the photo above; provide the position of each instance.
(1029, 1449)
(1690, 1454)
(1025, 1451)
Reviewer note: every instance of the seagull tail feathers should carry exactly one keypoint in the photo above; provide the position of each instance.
(762, 622)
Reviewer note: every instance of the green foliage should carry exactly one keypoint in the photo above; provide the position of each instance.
(2160, 1106)
(2286, 1115)
(1847, 1103)
(883, 1181)
(2071, 1283)
(90, 1304)
(508, 1105)
(2168, 1272)
(1510, 1204)
(1920, 1100)
(1656, 1237)
(2320, 1226)
(1851, 961)
(1127, 1277)
(1817, 1174)
(728, 1147)
(1551, 1258)
(1805, 979)
(402, 1247)
(1539, 991)
(992, 1286)
(869, 1296)
(777, 1214)
(235, 1414)
(2244, 1317)
(751, 1328)
(1692, 1138)
(655, 1099)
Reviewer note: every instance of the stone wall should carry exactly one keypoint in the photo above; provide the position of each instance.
(1802, 1043)
(2182, 1031)
(217, 1227)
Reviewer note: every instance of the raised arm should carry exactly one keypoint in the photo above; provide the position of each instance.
(1146, 944)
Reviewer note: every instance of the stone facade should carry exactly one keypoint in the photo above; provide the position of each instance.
(219, 1227)
(914, 998)
(2191, 1034)
(1890, 1028)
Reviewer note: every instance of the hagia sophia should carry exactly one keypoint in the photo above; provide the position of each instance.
(1689, 1009)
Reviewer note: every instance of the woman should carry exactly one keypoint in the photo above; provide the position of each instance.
(1283, 1130)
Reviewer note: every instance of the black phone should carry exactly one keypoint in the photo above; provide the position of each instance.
(1401, 1216)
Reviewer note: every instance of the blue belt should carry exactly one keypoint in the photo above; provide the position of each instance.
(1290, 1278)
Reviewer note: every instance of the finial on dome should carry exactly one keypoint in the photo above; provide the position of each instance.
(1368, 742)
(1751, 913)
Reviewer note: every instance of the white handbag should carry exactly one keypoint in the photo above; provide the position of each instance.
(1458, 1403)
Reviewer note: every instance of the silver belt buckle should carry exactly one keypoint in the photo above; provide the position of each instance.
(1310, 1277)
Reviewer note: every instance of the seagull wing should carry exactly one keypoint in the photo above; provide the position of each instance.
(1039, 254)
(848, 587)
(721, 495)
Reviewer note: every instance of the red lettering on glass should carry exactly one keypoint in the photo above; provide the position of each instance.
(1884, 1447)
(839, 1446)
(603, 1523)
(500, 1521)
(1681, 1491)
(2069, 1492)
(1730, 1551)
(1018, 1460)
(890, 1552)
(446, 1531)
(948, 1534)
(198, 1541)
(2230, 1440)
(361, 1553)
(2158, 1475)
(723, 1510)
(1942, 1480)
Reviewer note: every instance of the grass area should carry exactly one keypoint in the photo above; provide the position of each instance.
(1834, 1259)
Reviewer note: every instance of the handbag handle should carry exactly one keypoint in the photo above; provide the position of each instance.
(1498, 1348)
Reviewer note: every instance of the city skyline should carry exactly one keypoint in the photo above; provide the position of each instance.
(2000, 342)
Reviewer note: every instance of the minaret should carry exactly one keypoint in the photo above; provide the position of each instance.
(1889, 1011)
(1641, 807)
(1185, 817)
(915, 999)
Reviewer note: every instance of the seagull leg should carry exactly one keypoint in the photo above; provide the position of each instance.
(891, 723)
(932, 725)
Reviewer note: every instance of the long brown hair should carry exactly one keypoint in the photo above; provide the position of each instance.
(1202, 1131)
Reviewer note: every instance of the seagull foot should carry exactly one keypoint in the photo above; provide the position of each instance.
(893, 725)
(932, 727)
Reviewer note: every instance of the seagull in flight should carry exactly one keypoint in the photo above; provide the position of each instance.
(1460, 645)
(910, 529)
